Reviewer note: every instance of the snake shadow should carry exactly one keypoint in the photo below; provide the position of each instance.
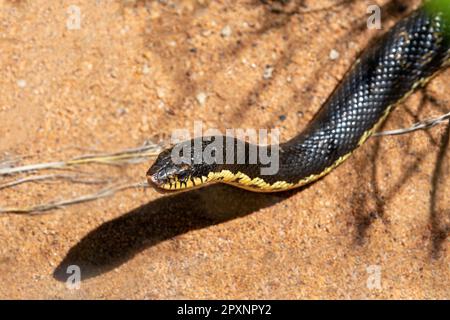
(116, 241)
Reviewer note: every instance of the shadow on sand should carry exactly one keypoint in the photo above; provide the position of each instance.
(116, 241)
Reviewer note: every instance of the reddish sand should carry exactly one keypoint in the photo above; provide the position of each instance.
(135, 71)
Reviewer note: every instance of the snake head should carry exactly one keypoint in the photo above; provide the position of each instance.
(178, 168)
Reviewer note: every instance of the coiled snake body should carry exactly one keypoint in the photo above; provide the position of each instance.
(406, 57)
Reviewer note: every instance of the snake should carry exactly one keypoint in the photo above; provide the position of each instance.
(403, 59)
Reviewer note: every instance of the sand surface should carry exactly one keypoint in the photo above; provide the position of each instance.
(376, 227)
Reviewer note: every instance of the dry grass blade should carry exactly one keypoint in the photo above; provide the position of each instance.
(44, 177)
(41, 208)
(421, 125)
(128, 155)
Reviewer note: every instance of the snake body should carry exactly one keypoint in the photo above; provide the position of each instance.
(406, 57)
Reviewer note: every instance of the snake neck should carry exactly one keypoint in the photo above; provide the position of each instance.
(384, 75)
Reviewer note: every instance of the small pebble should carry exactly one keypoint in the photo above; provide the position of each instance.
(145, 126)
(121, 111)
(334, 54)
(160, 92)
(21, 83)
(206, 33)
(282, 117)
(124, 30)
(145, 69)
(226, 31)
(268, 70)
(201, 98)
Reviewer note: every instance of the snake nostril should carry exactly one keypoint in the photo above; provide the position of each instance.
(152, 180)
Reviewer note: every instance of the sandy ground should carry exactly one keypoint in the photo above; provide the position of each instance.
(377, 227)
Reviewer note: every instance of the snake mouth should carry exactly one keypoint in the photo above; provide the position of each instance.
(162, 182)
(155, 177)
(153, 180)
(157, 184)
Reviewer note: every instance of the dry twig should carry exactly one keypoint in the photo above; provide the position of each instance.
(128, 155)
(44, 177)
(40, 208)
(421, 125)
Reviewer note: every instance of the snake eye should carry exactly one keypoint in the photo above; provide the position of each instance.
(185, 166)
